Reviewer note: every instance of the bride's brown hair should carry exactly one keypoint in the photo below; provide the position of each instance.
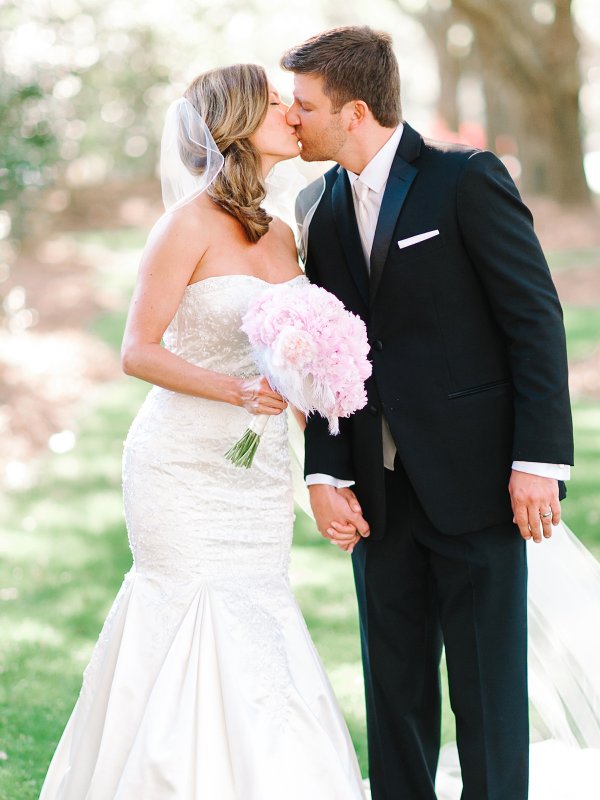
(233, 101)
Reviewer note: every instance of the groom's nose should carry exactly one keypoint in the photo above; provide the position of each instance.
(292, 115)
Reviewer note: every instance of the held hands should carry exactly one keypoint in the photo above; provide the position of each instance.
(338, 515)
(257, 397)
(535, 504)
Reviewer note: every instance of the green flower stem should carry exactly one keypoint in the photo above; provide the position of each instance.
(243, 451)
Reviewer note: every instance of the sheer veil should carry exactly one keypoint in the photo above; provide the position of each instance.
(189, 158)
(284, 183)
(564, 639)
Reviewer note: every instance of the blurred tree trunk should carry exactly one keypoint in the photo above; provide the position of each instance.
(500, 117)
(450, 68)
(537, 64)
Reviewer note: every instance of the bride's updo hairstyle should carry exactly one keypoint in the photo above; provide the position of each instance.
(233, 101)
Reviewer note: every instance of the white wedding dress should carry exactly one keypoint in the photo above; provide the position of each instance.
(204, 684)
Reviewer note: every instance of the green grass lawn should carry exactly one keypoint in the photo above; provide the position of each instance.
(63, 553)
(581, 509)
(583, 329)
(576, 258)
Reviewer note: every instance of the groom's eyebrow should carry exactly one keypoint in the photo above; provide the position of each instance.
(302, 101)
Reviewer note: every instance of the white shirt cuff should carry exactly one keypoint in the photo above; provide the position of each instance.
(319, 477)
(560, 472)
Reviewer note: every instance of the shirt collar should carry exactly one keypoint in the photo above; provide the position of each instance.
(376, 173)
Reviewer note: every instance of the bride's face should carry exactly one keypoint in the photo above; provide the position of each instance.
(275, 138)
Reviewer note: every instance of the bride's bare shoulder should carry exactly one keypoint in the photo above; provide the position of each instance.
(284, 233)
(196, 221)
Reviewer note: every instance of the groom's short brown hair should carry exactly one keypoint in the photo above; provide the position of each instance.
(355, 63)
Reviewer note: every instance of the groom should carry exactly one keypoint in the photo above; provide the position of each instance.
(467, 433)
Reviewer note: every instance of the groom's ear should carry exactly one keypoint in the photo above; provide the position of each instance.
(357, 114)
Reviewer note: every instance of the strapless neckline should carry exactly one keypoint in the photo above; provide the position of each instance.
(242, 275)
(206, 329)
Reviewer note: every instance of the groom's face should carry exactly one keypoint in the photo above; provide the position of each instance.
(318, 126)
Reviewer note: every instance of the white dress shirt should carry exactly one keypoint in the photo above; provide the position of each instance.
(367, 194)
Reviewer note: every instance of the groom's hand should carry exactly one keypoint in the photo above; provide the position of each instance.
(535, 504)
(338, 515)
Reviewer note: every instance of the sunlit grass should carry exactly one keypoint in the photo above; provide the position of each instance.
(581, 509)
(583, 331)
(577, 258)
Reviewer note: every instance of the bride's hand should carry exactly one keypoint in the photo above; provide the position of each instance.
(346, 537)
(257, 397)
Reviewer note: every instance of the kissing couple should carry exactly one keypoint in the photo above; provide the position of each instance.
(204, 684)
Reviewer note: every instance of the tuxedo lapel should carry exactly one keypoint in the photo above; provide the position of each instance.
(345, 220)
(401, 176)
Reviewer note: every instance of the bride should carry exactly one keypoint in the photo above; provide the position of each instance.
(204, 682)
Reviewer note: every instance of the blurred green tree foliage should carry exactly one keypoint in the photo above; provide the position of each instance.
(74, 96)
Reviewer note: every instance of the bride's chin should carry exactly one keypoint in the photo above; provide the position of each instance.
(290, 155)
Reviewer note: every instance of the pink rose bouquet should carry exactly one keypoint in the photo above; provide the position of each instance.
(312, 351)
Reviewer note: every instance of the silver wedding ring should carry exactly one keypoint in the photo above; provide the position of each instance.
(546, 515)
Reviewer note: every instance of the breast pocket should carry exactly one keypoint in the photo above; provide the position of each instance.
(419, 249)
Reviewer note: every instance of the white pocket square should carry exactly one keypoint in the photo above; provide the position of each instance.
(420, 237)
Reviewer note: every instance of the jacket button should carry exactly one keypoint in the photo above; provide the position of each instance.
(373, 410)
(378, 345)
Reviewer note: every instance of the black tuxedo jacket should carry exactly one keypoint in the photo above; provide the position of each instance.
(466, 333)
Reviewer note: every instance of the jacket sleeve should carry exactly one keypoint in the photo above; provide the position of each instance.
(497, 230)
(324, 453)
(327, 454)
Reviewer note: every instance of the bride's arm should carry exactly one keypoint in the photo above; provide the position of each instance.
(167, 264)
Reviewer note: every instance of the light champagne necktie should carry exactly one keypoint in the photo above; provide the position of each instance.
(363, 218)
(366, 229)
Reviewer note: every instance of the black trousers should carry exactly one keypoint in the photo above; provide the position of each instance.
(419, 590)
